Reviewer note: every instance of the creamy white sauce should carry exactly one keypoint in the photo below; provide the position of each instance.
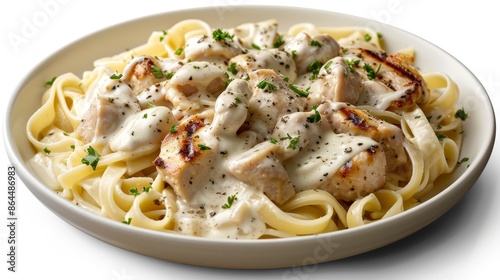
(193, 89)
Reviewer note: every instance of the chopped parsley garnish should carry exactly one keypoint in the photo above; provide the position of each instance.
(461, 114)
(151, 105)
(294, 53)
(220, 35)
(293, 141)
(116, 76)
(134, 191)
(127, 222)
(315, 43)
(145, 116)
(230, 201)
(169, 75)
(263, 84)
(440, 137)
(50, 82)
(47, 151)
(232, 68)
(255, 46)
(164, 34)
(315, 117)
(157, 72)
(179, 51)
(368, 37)
(92, 158)
(203, 147)
(173, 128)
(464, 159)
(146, 189)
(237, 100)
(273, 140)
(328, 64)
(379, 35)
(279, 41)
(352, 64)
(314, 67)
(298, 91)
(72, 147)
(370, 73)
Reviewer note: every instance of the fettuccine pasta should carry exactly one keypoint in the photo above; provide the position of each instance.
(249, 132)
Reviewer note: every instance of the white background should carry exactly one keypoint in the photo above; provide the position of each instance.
(462, 244)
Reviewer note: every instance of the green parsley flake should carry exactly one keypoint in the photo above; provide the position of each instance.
(315, 117)
(230, 201)
(220, 35)
(179, 51)
(314, 67)
(232, 68)
(116, 76)
(47, 151)
(315, 43)
(368, 37)
(50, 82)
(440, 137)
(134, 191)
(461, 114)
(203, 147)
(127, 222)
(173, 128)
(263, 84)
(279, 41)
(293, 141)
(157, 72)
(298, 91)
(370, 73)
(352, 64)
(255, 46)
(92, 158)
(328, 64)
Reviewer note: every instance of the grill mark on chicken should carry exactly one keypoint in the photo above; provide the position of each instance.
(346, 169)
(355, 119)
(160, 163)
(383, 58)
(188, 148)
(394, 72)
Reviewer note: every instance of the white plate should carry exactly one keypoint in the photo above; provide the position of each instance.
(255, 254)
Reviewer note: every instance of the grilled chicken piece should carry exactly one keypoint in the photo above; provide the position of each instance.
(335, 83)
(315, 157)
(272, 98)
(388, 80)
(142, 72)
(206, 48)
(261, 168)
(345, 118)
(279, 61)
(231, 108)
(183, 161)
(193, 86)
(108, 104)
(259, 34)
(359, 176)
(188, 154)
(307, 49)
